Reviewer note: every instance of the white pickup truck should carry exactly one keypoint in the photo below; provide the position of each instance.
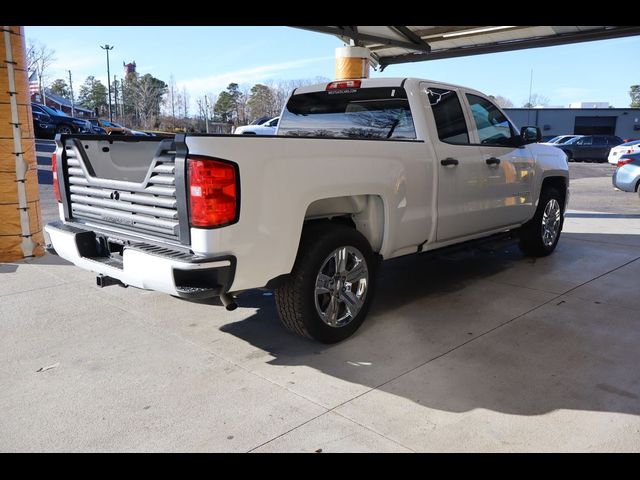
(360, 171)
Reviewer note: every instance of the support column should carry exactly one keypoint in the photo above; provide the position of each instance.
(20, 220)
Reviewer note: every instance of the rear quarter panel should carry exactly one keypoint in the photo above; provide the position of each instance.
(281, 176)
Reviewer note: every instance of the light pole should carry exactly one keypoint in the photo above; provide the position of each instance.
(73, 103)
(206, 113)
(107, 48)
(115, 95)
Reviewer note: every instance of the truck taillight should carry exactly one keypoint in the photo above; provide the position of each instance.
(54, 170)
(213, 192)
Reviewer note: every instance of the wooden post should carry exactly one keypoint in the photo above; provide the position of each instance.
(20, 221)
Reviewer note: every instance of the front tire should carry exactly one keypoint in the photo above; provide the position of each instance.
(64, 129)
(540, 235)
(327, 296)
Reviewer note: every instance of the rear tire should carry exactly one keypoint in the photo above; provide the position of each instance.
(540, 235)
(326, 299)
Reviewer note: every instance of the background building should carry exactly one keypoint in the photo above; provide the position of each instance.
(623, 122)
(129, 68)
(63, 104)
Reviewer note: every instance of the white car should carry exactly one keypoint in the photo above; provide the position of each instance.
(629, 147)
(360, 171)
(267, 128)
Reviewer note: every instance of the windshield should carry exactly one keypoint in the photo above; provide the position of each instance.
(553, 140)
(53, 111)
(110, 124)
(572, 140)
(372, 113)
(564, 140)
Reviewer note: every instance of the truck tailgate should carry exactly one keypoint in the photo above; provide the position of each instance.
(127, 184)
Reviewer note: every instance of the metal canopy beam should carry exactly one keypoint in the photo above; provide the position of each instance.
(413, 38)
(560, 39)
(423, 43)
(357, 36)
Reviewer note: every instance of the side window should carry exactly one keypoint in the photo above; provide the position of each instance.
(585, 141)
(447, 112)
(493, 127)
(273, 123)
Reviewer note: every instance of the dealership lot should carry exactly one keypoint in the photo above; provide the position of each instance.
(480, 350)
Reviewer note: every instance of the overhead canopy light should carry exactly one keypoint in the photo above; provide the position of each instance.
(476, 30)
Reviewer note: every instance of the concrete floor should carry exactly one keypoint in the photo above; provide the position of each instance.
(482, 350)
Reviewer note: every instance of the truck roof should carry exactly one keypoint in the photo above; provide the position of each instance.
(379, 82)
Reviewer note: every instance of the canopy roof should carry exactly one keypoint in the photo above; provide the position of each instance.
(402, 44)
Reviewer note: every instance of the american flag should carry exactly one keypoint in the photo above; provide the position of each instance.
(34, 86)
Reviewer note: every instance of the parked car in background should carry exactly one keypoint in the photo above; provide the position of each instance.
(267, 128)
(139, 133)
(590, 147)
(157, 133)
(628, 147)
(63, 123)
(97, 130)
(627, 175)
(111, 128)
(560, 139)
(43, 127)
(261, 120)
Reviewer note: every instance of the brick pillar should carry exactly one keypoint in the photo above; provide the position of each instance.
(20, 221)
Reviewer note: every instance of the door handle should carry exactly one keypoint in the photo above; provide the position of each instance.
(493, 161)
(449, 161)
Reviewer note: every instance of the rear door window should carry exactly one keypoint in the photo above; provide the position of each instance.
(358, 113)
(447, 112)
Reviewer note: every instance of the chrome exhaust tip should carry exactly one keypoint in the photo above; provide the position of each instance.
(106, 281)
(228, 301)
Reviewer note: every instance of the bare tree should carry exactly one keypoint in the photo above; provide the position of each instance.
(185, 102)
(212, 98)
(243, 98)
(282, 89)
(172, 91)
(536, 100)
(501, 101)
(39, 59)
(203, 112)
(148, 96)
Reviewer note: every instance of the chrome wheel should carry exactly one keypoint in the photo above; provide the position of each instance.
(341, 286)
(551, 222)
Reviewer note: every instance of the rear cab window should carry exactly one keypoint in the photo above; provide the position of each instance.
(381, 113)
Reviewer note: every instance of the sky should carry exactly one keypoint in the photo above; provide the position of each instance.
(207, 59)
